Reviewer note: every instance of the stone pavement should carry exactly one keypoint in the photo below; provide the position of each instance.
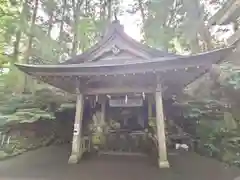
(51, 164)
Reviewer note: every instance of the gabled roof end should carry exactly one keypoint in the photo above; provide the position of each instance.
(115, 25)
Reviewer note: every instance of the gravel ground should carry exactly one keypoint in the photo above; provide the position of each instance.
(51, 164)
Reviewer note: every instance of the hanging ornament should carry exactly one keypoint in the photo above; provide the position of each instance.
(126, 99)
(143, 95)
(96, 98)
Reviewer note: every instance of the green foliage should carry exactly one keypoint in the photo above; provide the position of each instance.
(210, 109)
(232, 75)
(159, 26)
(8, 21)
(66, 106)
(21, 144)
(218, 124)
(21, 108)
(220, 143)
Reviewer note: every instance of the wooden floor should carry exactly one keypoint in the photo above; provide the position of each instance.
(51, 164)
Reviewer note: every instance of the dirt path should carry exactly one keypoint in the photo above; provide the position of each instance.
(51, 164)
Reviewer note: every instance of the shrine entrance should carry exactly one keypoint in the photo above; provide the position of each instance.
(125, 124)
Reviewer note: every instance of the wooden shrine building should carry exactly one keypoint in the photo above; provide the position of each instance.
(120, 66)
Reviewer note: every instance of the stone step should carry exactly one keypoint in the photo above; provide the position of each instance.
(121, 153)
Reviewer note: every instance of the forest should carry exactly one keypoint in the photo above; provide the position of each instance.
(51, 31)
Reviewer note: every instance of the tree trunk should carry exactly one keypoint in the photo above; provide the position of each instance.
(194, 45)
(140, 6)
(195, 14)
(76, 11)
(16, 47)
(19, 34)
(62, 21)
(27, 80)
(109, 6)
(13, 72)
(50, 24)
(206, 37)
(102, 10)
(30, 37)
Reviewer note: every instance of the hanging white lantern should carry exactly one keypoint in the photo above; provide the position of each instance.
(126, 99)
(96, 98)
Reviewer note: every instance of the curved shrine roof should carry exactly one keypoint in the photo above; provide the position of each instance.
(121, 66)
(118, 54)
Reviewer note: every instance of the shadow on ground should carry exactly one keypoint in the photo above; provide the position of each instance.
(51, 164)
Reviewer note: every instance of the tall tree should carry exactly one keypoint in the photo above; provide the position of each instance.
(62, 21)
(195, 18)
(76, 6)
(50, 7)
(19, 29)
(30, 33)
(27, 57)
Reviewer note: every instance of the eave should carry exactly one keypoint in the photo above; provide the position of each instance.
(137, 66)
(177, 72)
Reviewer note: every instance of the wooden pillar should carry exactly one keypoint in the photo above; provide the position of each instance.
(77, 132)
(103, 112)
(149, 108)
(162, 150)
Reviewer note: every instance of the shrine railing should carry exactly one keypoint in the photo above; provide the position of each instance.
(86, 144)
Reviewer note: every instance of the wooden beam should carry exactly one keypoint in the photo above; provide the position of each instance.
(119, 90)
